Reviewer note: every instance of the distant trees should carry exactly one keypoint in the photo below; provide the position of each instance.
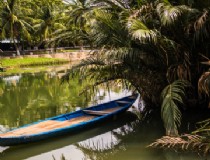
(30, 22)
(47, 20)
(13, 21)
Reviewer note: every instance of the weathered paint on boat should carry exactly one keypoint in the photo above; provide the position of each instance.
(66, 123)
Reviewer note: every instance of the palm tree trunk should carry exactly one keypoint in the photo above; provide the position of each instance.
(13, 39)
(16, 46)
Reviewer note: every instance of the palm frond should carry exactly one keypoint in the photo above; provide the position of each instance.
(204, 84)
(122, 4)
(172, 96)
(201, 26)
(186, 142)
(141, 32)
(203, 128)
(168, 13)
(107, 30)
(85, 68)
(178, 71)
(127, 65)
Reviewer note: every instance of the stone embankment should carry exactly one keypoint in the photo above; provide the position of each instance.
(71, 56)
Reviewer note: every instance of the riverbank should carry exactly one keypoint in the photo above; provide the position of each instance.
(68, 55)
(27, 61)
(30, 63)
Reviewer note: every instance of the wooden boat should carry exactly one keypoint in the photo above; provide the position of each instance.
(66, 123)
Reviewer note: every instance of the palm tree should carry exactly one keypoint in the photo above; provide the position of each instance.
(149, 46)
(13, 23)
(47, 19)
(78, 20)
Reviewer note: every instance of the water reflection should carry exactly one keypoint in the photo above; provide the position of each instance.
(32, 97)
(129, 142)
(108, 144)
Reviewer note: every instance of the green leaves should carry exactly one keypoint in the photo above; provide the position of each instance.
(140, 31)
(168, 13)
(14, 22)
(108, 30)
(172, 96)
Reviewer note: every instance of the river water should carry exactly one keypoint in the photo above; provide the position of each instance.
(25, 98)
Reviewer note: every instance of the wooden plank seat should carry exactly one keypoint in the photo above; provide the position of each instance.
(124, 102)
(101, 112)
(132, 97)
(46, 126)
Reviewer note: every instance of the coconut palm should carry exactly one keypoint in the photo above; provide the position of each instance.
(47, 16)
(13, 21)
(78, 18)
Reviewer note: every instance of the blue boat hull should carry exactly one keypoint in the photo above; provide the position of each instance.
(99, 113)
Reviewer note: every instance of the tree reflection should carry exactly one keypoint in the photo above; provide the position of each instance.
(39, 96)
(107, 145)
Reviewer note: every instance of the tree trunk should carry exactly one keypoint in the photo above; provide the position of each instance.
(16, 46)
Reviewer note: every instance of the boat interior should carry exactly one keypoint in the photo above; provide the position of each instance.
(65, 120)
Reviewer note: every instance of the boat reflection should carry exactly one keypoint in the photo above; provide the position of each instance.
(106, 145)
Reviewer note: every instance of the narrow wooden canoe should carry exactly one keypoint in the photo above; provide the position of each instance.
(66, 123)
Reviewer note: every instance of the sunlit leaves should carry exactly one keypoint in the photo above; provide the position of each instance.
(168, 13)
(108, 30)
(184, 142)
(13, 22)
(48, 20)
(139, 31)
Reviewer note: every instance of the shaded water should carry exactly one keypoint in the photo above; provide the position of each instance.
(30, 97)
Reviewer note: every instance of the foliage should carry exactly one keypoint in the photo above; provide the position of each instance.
(169, 13)
(153, 46)
(203, 128)
(193, 143)
(13, 21)
(48, 19)
(197, 141)
(204, 83)
(173, 96)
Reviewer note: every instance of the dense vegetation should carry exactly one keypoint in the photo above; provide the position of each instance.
(160, 48)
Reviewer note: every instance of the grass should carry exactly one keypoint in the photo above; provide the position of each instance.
(23, 70)
(28, 65)
(25, 62)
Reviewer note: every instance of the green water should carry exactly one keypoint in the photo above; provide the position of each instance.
(30, 97)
